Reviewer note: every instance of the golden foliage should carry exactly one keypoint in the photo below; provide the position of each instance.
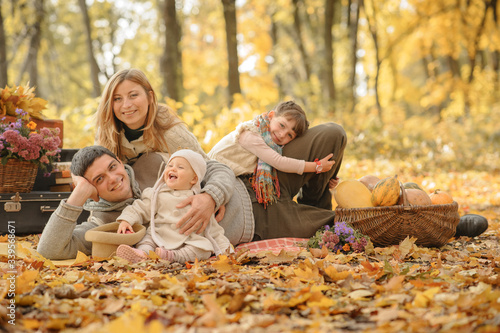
(388, 289)
(21, 97)
(392, 287)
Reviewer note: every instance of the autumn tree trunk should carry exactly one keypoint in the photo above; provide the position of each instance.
(4, 80)
(353, 14)
(171, 64)
(94, 68)
(496, 53)
(329, 63)
(472, 53)
(274, 38)
(31, 64)
(297, 24)
(232, 48)
(430, 75)
(372, 24)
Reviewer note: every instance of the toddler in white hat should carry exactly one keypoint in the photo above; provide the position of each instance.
(182, 177)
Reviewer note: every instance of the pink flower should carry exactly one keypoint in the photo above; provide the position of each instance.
(44, 159)
(20, 140)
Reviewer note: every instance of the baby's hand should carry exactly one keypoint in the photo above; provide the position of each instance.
(125, 228)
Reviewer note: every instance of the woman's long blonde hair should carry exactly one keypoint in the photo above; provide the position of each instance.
(158, 120)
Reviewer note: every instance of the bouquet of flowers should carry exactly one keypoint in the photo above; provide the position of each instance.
(21, 140)
(339, 238)
(19, 97)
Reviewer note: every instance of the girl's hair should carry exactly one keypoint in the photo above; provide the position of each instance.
(158, 120)
(292, 111)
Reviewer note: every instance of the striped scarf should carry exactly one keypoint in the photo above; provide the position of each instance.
(265, 178)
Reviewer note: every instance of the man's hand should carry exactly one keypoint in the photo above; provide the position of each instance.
(83, 190)
(198, 216)
(219, 215)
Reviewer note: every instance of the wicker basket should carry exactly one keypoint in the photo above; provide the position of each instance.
(432, 225)
(17, 176)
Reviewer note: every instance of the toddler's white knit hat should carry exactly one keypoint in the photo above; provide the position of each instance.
(197, 163)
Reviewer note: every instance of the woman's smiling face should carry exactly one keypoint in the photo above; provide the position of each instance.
(131, 104)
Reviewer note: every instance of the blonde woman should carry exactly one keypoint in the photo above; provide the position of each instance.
(131, 122)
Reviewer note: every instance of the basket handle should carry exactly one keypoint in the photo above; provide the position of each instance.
(406, 204)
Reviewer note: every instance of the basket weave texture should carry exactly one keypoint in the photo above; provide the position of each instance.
(17, 176)
(432, 225)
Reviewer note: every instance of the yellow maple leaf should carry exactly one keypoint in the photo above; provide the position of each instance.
(321, 301)
(335, 275)
(223, 264)
(25, 281)
(422, 299)
(80, 259)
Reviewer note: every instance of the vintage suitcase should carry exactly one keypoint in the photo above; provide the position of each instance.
(27, 213)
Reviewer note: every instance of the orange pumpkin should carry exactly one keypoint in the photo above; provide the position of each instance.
(439, 197)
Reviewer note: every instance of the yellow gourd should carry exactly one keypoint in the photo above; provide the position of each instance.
(351, 193)
(386, 192)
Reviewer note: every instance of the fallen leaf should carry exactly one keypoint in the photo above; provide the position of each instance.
(283, 256)
(319, 253)
(223, 264)
(112, 305)
(214, 316)
(26, 281)
(80, 259)
(335, 275)
(406, 245)
(361, 294)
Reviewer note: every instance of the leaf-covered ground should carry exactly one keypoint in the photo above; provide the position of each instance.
(403, 288)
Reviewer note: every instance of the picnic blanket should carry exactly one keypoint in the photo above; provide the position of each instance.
(275, 245)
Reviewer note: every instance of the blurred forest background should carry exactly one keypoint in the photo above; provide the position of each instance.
(412, 81)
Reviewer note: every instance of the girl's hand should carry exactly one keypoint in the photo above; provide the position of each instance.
(333, 183)
(125, 228)
(326, 163)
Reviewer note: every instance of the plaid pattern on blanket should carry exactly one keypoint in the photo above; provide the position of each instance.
(275, 245)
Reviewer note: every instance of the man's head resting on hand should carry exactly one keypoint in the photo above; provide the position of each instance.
(101, 168)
